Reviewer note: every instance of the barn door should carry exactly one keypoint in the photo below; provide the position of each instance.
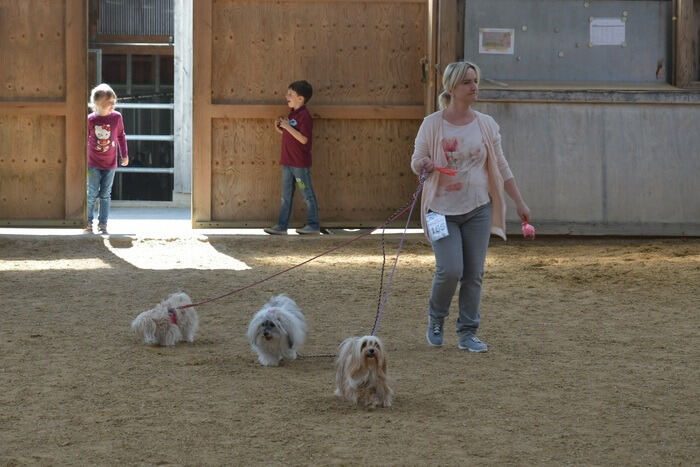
(371, 65)
(43, 50)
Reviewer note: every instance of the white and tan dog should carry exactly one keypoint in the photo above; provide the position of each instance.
(360, 372)
(277, 331)
(166, 324)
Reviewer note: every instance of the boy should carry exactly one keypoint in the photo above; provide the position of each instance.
(296, 160)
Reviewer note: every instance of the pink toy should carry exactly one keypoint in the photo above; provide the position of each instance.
(446, 171)
(528, 231)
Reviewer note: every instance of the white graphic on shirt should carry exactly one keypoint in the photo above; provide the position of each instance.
(102, 133)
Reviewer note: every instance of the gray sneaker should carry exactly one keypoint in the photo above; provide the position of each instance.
(276, 230)
(471, 343)
(102, 228)
(306, 230)
(434, 332)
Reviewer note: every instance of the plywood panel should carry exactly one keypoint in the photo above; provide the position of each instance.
(32, 49)
(351, 52)
(360, 171)
(32, 167)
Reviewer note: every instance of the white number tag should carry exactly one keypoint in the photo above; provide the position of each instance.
(437, 226)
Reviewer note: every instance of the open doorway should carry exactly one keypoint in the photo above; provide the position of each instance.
(131, 47)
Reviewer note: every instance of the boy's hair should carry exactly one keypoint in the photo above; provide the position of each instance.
(100, 92)
(302, 88)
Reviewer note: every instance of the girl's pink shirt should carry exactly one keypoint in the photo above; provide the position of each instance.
(106, 135)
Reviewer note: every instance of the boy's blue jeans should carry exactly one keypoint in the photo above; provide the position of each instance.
(99, 185)
(301, 178)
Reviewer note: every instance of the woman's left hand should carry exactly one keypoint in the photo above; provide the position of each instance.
(523, 212)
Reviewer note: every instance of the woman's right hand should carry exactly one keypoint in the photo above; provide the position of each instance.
(428, 165)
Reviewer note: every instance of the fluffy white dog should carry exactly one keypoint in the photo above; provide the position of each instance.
(166, 324)
(277, 331)
(360, 372)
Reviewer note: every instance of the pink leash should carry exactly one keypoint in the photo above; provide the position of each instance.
(352, 240)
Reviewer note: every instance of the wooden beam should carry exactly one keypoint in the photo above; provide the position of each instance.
(201, 112)
(432, 22)
(447, 39)
(75, 106)
(32, 108)
(335, 112)
(685, 31)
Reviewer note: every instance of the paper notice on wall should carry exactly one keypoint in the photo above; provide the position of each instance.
(496, 41)
(607, 31)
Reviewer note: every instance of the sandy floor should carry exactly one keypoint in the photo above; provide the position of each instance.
(594, 355)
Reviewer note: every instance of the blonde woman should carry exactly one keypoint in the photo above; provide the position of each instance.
(461, 209)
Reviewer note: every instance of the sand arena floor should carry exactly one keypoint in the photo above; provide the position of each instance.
(594, 355)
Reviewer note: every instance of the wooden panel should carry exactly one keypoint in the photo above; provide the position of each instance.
(402, 112)
(447, 39)
(201, 112)
(32, 49)
(351, 52)
(361, 171)
(43, 91)
(76, 97)
(32, 167)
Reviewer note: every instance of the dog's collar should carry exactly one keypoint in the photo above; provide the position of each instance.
(173, 315)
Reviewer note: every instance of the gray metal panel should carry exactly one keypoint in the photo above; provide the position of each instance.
(604, 168)
(546, 28)
(136, 17)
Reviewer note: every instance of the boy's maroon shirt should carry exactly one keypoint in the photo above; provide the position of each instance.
(295, 154)
(105, 134)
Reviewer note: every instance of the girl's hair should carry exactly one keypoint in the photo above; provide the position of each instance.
(453, 75)
(101, 91)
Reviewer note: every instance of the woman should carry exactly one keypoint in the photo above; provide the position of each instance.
(468, 201)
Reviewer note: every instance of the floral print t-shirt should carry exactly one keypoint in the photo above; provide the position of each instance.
(465, 153)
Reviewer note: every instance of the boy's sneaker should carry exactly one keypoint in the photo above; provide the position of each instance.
(275, 230)
(102, 228)
(306, 230)
(471, 343)
(434, 332)
(87, 229)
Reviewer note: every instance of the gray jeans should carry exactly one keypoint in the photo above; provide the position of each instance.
(459, 258)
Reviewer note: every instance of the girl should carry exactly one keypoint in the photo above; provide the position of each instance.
(460, 210)
(105, 132)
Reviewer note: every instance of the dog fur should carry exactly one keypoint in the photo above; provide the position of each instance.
(361, 372)
(277, 331)
(166, 324)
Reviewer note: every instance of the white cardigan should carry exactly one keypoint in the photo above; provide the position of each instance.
(432, 126)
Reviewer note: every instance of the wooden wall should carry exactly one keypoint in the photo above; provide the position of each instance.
(43, 92)
(687, 39)
(363, 59)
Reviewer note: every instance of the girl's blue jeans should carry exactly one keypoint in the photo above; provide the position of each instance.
(297, 177)
(99, 185)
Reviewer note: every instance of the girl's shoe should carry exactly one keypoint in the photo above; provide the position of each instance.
(102, 228)
(87, 229)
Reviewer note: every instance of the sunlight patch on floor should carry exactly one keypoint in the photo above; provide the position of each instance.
(74, 264)
(160, 254)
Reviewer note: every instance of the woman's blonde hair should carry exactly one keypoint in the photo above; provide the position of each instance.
(101, 91)
(453, 75)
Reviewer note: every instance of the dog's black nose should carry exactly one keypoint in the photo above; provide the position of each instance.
(370, 351)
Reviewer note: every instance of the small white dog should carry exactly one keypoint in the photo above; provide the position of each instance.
(166, 324)
(277, 331)
(360, 372)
